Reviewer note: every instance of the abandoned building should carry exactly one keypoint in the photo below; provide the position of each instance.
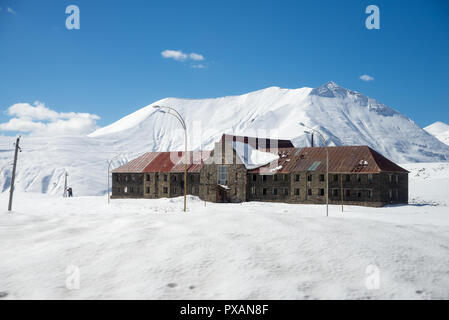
(254, 169)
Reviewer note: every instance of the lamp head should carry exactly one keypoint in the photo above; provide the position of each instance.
(308, 132)
(302, 124)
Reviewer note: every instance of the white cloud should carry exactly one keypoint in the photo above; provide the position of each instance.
(10, 10)
(196, 56)
(178, 55)
(37, 119)
(366, 78)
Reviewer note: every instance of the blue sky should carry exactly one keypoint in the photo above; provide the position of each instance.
(113, 65)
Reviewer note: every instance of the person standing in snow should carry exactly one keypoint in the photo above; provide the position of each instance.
(69, 191)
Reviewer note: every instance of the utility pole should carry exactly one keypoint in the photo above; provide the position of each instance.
(13, 178)
(65, 185)
(320, 135)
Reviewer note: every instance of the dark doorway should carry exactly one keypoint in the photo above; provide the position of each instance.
(222, 195)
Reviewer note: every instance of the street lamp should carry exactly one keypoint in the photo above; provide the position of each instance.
(327, 161)
(178, 116)
(109, 169)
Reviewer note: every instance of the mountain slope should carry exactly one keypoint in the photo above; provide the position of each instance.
(343, 116)
(440, 130)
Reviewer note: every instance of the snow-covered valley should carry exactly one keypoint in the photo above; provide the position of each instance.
(150, 249)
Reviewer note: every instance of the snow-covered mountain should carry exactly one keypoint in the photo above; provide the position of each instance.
(440, 130)
(344, 117)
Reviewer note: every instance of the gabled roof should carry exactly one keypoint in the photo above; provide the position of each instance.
(342, 159)
(165, 162)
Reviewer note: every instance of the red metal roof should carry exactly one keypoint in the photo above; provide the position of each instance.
(165, 162)
(138, 164)
(342, 159)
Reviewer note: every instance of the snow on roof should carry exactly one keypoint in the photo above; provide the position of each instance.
(251, 157)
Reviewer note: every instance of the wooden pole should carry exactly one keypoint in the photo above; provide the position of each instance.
(185, 171)
(13, 177)
(341, 190)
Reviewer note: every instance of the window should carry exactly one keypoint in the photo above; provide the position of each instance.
(390, 193)
(390, 177)
(165, 177)
(264, 191)
(116, 177)
(192, 178)
(148, 189)
(118, 190)
(285, 192)
(132, 189)
(254, 177)
(264, 178)
(335, 192)
(309, 177)
(321, 192)
(309, 192)
(397, 178)
(197, 190)
(348, 178)
(126, 190)
(396, 194)
(335, 177)
(348, 193)
(275, 191)
(359, 193)
(223, 175)
(275, 177)
(253, 190)
(165, 190)
(297, 177)
(359, 178)
(148, 177)
(370, 177)
(175, 190)
(296, 192)
(321, 177)
(370, 194)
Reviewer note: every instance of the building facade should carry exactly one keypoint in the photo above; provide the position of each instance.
(242, 169)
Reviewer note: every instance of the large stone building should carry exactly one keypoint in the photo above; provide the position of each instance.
(254, 169)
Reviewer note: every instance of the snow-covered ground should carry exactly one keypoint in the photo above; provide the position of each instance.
(150, 249)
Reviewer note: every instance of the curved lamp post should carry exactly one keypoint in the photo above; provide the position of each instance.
(177, 115)
(327, 161)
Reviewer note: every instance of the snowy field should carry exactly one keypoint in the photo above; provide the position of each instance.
(150, 249)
